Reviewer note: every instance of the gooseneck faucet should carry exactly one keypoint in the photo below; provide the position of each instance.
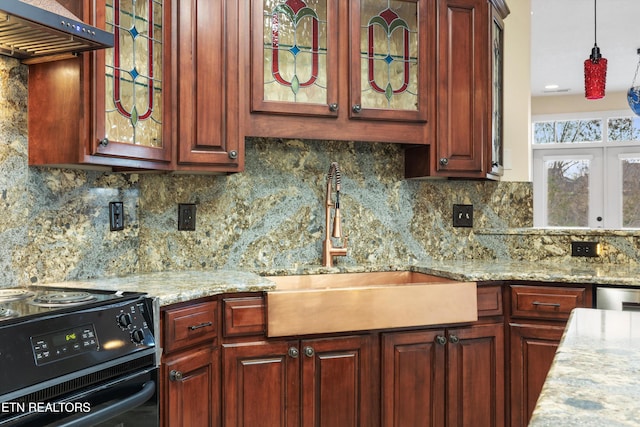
(328, 250)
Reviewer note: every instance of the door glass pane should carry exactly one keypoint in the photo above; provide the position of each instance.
(389, 54)
(133, 83)
(631, 193)
(568, 193)
(295, 51)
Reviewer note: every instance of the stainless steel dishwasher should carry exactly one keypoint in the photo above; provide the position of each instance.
(618, 298)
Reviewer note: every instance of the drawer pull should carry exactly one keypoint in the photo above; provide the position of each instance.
(200, 326)
(546, 304)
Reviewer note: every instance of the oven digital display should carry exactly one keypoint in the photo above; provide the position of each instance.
(62, 344)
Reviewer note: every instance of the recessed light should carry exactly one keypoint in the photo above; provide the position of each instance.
(550, 87)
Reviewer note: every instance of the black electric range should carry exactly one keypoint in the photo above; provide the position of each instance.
(74, 348)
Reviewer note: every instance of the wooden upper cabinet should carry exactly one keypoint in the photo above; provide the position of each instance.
(361, 70)
(462, 96)
(132, 81)
(110, 107)
(390, 67)
(208, 136)
(468, 140)
(165, 97)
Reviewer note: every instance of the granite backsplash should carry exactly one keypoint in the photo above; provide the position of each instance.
(54, 222)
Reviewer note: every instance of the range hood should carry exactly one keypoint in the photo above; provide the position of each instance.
(43, 30)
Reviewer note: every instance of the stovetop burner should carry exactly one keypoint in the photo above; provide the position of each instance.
(62, 299)
(13, 294)
(7, 313)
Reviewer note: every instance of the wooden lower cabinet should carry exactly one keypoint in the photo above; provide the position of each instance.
(533, 347)
(316, 382)
(191, 389)
(444, 377)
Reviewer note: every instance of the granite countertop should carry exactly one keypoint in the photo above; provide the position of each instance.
(177, 286)
(594, 378)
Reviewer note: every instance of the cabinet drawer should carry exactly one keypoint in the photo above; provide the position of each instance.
(244, 316)
(190, 325)
(543, 302)
(489, 301)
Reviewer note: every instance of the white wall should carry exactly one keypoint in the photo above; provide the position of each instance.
(517, 92)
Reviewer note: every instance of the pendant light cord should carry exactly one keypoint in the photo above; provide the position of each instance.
(595, 22)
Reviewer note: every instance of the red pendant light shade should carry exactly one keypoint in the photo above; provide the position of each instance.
(595, 69)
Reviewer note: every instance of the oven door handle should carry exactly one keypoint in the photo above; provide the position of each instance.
(109, 411)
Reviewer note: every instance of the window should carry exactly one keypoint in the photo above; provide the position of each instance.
(586, 170)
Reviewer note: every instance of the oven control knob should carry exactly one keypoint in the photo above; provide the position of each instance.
(137, 336)
(124, 320)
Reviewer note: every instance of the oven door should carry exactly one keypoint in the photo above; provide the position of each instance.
(128, 401)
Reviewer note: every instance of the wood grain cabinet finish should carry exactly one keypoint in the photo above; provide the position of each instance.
(88, 101)
(324, 86)
(185, 110)
(446, 377)
(537, 319)
(190, 370)
(316, 382)
(244, 316)
(462, 145)
(191, 389)
(208, 135)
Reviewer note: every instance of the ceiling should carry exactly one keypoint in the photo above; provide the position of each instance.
(562, 35)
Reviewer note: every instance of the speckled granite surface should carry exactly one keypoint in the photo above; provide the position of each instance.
(178, 286)
(54, 222)
(593, 380)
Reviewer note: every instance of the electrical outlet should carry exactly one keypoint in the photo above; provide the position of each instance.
(588, 249)
(186, 216)
(116, 216)
(463, 215)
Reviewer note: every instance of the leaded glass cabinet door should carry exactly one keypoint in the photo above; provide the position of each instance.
(132, 81)
(390, 73)
(294, 57)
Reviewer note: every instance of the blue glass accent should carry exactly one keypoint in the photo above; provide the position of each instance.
(388, 59)
(294, 49)
(134, 32)
(134, 73)
(633, 97)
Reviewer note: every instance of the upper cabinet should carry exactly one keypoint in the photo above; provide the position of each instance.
(468, 140)
(111, 107)
(156, 100)
(320, 70)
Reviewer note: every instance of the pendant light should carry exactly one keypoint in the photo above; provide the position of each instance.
(595, 68)
(633, 95)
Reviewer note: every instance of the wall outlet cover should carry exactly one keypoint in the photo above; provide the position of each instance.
(116, 216)
(186, 216)
(463, 215)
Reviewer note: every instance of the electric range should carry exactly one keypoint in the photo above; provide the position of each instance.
(77, 356)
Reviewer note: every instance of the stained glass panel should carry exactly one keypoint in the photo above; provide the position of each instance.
(133, 85)
(389, 54)
(295, 51)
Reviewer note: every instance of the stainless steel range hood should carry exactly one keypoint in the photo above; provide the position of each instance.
(43, 30)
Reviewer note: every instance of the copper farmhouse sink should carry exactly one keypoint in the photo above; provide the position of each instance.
(326, 303)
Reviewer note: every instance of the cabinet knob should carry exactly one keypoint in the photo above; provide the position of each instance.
(308, 351)
(233, 154)
(444, 161)
(293, 352)
(454, 339)
(357, 108)
(333, 107)
(441, 340)
(104, 142)
(175, 375)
